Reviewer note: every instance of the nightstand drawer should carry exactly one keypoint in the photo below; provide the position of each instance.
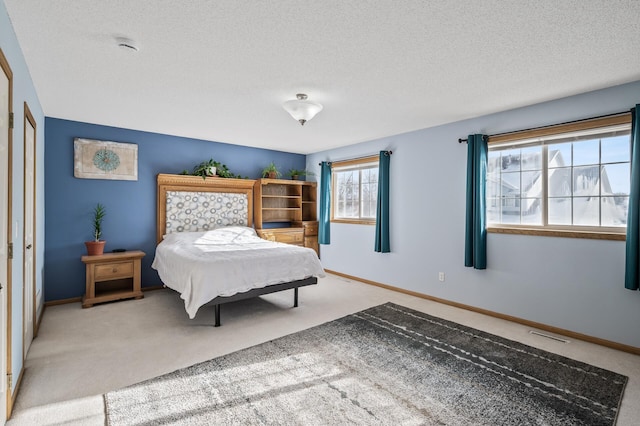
(293, 236)
(113, 270)
(310, 227)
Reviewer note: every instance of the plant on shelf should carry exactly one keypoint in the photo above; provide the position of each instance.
(295, 174)
(223, 170)
(271, 171)
(204, 169)
(211, 168)
(96, 247)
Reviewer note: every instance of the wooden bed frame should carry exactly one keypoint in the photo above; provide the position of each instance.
(185, 183)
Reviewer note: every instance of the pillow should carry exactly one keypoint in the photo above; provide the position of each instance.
(235, 234)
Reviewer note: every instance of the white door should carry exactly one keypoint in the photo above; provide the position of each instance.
(5, 88)
(29, 289)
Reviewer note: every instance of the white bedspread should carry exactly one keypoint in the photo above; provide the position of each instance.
(204, 265)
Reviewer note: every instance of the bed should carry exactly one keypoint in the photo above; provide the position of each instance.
(209, 252)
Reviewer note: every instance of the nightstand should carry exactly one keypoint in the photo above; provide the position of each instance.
(112, 276)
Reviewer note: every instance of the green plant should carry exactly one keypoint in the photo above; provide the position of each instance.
(223, 170)
(271, 169)
(98, 216)
(204, 169)
(299, 172)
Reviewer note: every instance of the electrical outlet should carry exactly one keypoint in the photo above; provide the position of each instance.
(441, 276)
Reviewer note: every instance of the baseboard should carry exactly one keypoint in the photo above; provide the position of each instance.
(62, 301)
(154, 287)
(79, 299)
(568, 333)
(39, 321)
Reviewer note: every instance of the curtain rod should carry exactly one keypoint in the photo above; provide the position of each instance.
(466, 140)
(460, 140)
(355, 158)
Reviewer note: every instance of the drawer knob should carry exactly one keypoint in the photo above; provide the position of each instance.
(114, 270)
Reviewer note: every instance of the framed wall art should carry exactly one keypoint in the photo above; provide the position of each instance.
(95, 159)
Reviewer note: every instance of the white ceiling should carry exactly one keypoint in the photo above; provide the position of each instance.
(220, 70)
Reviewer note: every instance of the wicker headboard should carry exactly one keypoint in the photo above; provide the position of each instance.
(191, 203)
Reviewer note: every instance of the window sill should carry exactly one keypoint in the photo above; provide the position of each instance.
(354, 221)
(594, 235)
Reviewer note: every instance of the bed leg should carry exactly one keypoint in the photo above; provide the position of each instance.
(295, 297)
(216, 309)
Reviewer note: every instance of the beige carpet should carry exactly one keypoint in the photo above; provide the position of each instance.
(382, 366)
(83, 353)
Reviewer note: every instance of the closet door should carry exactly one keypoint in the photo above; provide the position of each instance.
(5, 233)
(28, 268)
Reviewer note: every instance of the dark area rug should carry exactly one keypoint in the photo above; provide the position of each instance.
(387, 365)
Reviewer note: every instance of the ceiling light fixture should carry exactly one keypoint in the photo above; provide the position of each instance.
(301, 108)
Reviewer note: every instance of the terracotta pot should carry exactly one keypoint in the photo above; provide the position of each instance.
(272, 175)
(294, 177)
(95, 248)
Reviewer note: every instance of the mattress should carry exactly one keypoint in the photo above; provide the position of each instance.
(225, 261)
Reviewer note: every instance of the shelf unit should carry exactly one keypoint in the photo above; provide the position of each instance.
(286, 201)
(309, 203)
(280, 200)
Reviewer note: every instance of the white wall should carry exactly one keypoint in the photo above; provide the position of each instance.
(575, 284)
(23, 91)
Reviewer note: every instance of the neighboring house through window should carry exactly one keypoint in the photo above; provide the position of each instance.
(572, 179)
(354, 191)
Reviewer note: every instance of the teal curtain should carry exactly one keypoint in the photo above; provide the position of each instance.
(632, 268)
(382, 212)
(324, 229)
(475, 250)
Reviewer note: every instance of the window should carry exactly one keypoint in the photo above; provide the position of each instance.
(572, 179)
(355, 191)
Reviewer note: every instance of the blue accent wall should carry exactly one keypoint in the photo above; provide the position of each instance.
(130, 222)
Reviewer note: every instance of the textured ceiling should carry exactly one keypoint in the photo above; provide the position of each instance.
(220, 70)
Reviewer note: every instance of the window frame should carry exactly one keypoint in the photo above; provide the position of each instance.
(539, 134)
(354, 164)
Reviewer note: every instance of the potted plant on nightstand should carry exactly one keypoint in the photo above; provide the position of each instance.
(96, 247)
(271, 171)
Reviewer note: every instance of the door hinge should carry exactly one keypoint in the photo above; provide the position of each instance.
(11, 120)
(10, 250)
(10, 381)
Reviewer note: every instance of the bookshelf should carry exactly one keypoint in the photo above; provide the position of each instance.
(291, 202)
